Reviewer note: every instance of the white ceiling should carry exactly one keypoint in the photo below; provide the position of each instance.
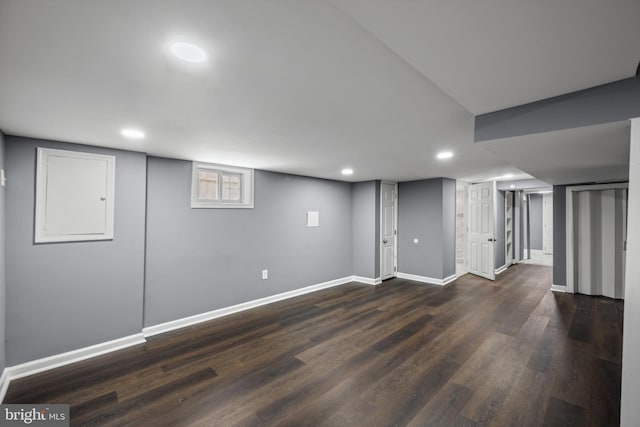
(495, 54)
(597, 153)
(304, 87)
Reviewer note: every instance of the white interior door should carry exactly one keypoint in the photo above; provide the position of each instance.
(547, 223)
(388, 231)
(481, 229)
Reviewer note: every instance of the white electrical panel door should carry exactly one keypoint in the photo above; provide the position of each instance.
(74, 196)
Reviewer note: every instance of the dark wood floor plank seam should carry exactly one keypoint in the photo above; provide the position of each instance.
(474, 352)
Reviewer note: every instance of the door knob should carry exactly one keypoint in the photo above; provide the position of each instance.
(384, 241)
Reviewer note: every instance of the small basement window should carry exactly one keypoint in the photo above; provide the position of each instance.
(219, 186)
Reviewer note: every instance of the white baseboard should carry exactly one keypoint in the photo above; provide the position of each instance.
(424, 279)
(559, 288)
(501, 269)
(4, 384)
(449, 279)
(210, 315)
(40, 365)
(366, 280)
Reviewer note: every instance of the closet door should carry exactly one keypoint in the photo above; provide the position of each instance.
(599, 241)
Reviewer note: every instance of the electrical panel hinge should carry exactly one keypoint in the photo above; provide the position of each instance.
(395, 232)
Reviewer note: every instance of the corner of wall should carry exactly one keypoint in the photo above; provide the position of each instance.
(448, 227)
(2, 270)
(559, 235)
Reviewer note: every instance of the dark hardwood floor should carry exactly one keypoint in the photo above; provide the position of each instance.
(475, 352)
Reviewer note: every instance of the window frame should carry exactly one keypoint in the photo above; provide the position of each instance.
(246, 186)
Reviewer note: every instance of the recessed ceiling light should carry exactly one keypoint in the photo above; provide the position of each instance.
(443, 155)
(188, 52)
(347, 171)
(512, 186)
(132, 133)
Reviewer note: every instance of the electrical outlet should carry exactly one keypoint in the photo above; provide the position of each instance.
(265, 274)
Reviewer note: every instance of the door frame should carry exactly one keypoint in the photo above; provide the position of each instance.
(395, 227)
(569, 225)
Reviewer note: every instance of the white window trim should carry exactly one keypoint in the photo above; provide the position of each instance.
(40, 234)
(246, 189)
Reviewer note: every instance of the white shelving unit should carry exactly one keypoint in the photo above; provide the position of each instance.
(508, 228)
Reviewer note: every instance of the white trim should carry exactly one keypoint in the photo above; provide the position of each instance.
(424, 279)
(41, 234)
(4, 384)
(366, 280)
(210, 315)
(569, 224)
(558, 288)
(501, 269)
(40, 365)
(449, 279)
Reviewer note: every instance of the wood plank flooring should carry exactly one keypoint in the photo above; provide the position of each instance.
(472, 353)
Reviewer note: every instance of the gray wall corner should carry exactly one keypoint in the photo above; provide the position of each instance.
(420, 228)
(559, 235)
(3, 306)
(536, 221)
(448, 227)
(71, 289)
(365, 222)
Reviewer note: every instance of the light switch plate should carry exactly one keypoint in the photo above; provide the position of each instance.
(313, 219)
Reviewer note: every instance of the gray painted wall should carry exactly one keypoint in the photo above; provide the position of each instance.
(3, 305)
(365, 238)
(559, 235)
(499, 253)
(608, 103)
(535, 211)
(204, 259)
(64, 296)
(426, 211)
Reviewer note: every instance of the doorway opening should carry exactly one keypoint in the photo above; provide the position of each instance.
(537, 230)
(388, 229)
